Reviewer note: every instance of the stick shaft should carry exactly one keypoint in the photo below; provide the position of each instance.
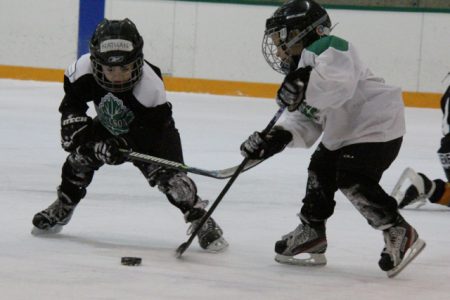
(230, 182)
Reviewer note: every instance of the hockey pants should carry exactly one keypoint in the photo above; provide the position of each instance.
(356, 171)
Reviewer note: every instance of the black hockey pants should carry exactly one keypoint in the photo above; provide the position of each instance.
(356, 171)
(78, 169)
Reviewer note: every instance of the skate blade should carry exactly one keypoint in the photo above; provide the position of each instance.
(217, 246)
(415, 249)
(42, 232)
(315, 259)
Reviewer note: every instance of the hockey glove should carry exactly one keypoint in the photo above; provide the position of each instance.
(109, 152)
(75, 131)
(257, 147)
(292, 91)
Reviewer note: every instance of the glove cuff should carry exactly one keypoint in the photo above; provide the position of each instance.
(277, 139)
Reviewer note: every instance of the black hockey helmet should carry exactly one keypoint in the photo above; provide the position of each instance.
(296, 22)
(116, 43)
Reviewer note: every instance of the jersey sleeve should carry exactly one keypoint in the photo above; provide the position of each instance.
(304, 132)
(74, 83)
(71, 103)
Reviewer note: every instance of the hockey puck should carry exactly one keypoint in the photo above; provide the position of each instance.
(131, 261)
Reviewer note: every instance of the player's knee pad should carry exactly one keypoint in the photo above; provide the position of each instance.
(178, 187)
(79, 169)
(84, 162)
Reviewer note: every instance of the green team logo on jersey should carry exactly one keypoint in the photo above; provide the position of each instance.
(309, 111)
(114, 115)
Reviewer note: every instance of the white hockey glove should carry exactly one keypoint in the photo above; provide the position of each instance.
(292, 91)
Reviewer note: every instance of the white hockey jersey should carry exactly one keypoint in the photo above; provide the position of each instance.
(344, 101)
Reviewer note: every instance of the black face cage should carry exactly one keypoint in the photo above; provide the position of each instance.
(101, 79)
(270, 50)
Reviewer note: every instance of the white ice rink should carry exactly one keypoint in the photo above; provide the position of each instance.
(123, 216)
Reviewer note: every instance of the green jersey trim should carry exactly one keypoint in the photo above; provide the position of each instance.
(322, 44)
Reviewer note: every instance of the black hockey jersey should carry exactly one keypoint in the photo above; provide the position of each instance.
(141, 115)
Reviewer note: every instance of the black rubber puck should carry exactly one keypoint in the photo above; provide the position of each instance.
(131, 261)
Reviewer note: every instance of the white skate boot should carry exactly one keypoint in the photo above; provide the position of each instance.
(402, 246)
(419, 190)
(303, 240)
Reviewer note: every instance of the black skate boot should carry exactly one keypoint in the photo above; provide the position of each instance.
(303, 240)
(210, 236)
(402, 246)
(420, 189)
(52, 219)
(418, 192)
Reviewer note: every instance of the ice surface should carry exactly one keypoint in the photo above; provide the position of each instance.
(123, 216)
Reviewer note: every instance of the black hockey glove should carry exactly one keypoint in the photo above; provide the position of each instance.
(292, 91)
(109, 152)
(75, 131)
(257, 147)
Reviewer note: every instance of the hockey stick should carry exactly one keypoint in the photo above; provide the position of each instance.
(180, 250)
(218, 174)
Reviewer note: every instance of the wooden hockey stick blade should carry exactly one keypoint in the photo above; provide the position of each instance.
(218, 174)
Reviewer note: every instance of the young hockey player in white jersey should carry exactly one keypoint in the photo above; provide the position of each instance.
(422, 188)
(330, 92)
(132, 113)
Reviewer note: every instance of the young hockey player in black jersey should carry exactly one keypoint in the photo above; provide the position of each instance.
(329, 91)
(132, 113)
(422, 188)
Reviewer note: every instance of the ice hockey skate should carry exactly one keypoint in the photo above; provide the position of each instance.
(210, 235)
(402, 245)
(420, 188)
(304, 241)
(52, 219)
